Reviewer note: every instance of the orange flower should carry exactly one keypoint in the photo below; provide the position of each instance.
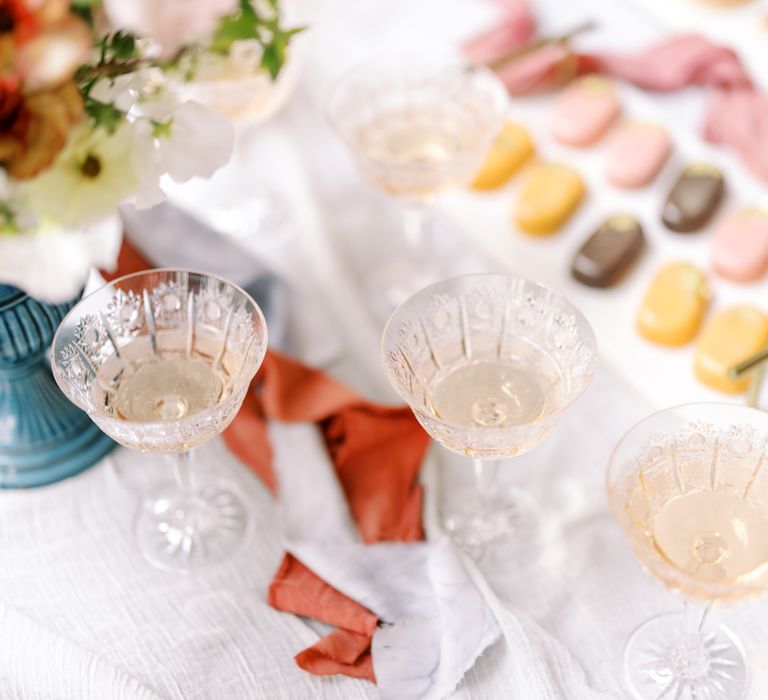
(41, 42)
(19, 18)
(41, 46)
(35, 127)
(16, 22)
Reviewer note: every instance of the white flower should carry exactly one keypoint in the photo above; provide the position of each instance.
(171, 23)
(94, 173)
(193, 142)
(199, 143)
(121, 91)
(53, 264)
(148, 192)
(157, 100)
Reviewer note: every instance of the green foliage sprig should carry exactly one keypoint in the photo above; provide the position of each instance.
(247, 23)
(117, 54)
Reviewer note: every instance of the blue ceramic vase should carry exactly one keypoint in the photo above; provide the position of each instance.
(43, 437)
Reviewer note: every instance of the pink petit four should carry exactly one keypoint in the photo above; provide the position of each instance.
(740, 245)
(635, 154)
(583, 113)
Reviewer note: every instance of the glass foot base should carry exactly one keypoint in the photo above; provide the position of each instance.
(659, 663)
(179, 531)
(508, 519)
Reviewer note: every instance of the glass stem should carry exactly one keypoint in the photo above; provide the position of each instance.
(415, 218)
(182, 471)
(693, 621)
(485, 479)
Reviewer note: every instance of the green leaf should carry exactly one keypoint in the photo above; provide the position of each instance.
(275, 50)
(7, 219)
(122, 46)
(272, 60)
(84, 13)
(238, 26)
(104, 114)
(245, 24)
(84, 9)
(160, 129)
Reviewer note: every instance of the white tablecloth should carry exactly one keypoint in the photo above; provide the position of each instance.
(82, 616)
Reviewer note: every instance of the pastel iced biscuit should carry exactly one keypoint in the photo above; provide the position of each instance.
(635, 154)
(694, 198)
(674, 305)
(728, 337)
(740, 245)
(548, 197)
(606, 256)
(509, 151)
(584, 111)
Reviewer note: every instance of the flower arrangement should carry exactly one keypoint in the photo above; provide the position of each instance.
(92, 115)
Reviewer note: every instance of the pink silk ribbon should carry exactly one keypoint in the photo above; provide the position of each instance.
(737, 116)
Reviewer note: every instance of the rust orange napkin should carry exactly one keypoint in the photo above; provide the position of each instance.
(376, 452)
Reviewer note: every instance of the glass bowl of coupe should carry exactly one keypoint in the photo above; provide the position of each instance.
(416, 127)
(689, 487)
(161, 361)
(488, 363)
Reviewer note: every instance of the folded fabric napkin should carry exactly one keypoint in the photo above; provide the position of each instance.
(737, 116)
(376, 453)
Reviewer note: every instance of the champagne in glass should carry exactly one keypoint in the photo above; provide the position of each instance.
(713, 536)
(413, 152)
(158, 378)
(689, 486)
(491, 392)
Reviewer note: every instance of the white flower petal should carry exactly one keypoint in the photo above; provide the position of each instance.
(149, 193)
(158, 100)
(149, 167)
(65, 195)
(200, 142)
(121, 91)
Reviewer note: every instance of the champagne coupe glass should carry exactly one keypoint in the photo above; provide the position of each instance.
(689, 487)
(488, 363)
(161, 361)
(415, 127)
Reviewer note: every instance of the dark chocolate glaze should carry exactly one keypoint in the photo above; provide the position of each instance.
(606, 256)
(693, 199)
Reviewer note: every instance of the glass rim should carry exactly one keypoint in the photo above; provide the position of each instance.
(677, 574)
(55, 370)
(489, 430)
(676, 407)
(405, 60)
